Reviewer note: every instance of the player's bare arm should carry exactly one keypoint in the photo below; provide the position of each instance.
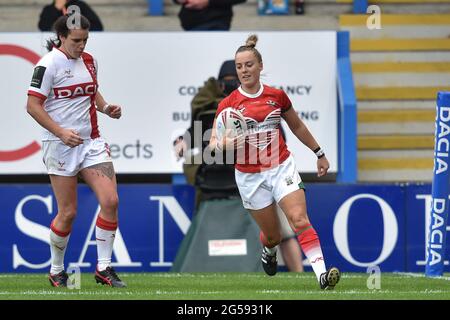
(36, 109)
(213, 139)
(302, 133)
(111, 110)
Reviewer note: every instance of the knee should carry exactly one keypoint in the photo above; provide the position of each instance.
(110, 203)
(300, 222)
(67, 214)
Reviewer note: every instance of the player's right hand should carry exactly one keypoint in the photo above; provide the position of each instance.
(234, 142)
(180, 147)
(70, 137)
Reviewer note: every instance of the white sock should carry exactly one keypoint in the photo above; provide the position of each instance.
(309, 241)
(271, 251)
(58, 247)
(315, 257)
(105, 242)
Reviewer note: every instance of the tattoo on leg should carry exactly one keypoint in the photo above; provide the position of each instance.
(104, 169)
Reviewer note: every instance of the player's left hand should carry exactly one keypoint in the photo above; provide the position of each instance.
(322, 166)
(114, 111)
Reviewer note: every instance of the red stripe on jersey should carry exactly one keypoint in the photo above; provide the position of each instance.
(95, 133)
(90, 66)
(36, 94)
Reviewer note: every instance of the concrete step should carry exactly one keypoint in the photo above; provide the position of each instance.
(396, 116)
(401, 163)
(394, 128)
(402, 175)
(400, 32)
(412, 8)
(395, 165)
(397, 26)
(401, 67)
(398, 93)
(245, 19)
(430, 56)
(393, 154)
(396, 122)
(391, 142)
(397, 105)
(421, 44)
(360, 20)
(401, 79)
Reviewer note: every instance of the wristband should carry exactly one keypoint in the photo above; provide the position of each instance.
(106, 106)
(319, 152)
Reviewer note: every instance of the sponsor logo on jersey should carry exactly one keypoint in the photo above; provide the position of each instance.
(271, 103)
(68, 73)
(78, 90)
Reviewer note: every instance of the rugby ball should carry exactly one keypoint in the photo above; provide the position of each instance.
(230, 122)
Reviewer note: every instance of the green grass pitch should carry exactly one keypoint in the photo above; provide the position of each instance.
(228, 286)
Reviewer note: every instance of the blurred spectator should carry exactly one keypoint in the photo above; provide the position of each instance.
(299, 7)
(203, 15)
(203, 108)
(58, 8)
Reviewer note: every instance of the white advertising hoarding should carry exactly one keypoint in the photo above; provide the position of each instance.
(154, 76)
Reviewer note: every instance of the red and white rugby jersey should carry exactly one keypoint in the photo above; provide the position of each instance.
(262, 112)
(68, 87)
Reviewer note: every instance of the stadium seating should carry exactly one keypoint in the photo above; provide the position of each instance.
(132, 15)
(398, 71)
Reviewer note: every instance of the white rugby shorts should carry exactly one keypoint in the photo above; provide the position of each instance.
(259, 190)
(62, 160)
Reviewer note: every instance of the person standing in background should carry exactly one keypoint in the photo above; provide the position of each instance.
(206, 15)
(51, 12)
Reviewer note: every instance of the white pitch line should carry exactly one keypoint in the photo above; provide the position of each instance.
(420, 275)
(164, 292)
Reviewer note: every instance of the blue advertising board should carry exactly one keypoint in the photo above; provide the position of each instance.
(418, 206)
(359, 226)
(153, 220)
